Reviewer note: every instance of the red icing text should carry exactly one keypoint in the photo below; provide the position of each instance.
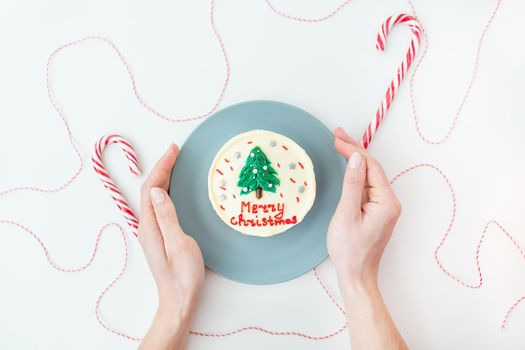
(262, 215)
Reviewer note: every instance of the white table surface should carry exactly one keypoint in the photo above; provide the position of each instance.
(330, 69)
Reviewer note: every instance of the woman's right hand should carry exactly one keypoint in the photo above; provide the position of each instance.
(365, 217)
(357, 236)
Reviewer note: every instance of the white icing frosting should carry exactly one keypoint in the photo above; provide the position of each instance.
(274, 212)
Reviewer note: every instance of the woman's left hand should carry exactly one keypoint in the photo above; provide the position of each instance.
(174, 259)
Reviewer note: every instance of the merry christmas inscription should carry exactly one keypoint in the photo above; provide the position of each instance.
(252, 214)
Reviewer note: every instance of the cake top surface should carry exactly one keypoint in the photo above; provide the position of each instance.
(261, 183)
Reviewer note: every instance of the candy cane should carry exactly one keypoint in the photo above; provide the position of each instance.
(117, 196)
(416, 29)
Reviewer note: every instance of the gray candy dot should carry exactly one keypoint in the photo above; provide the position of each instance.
(237, 155)
(301, 189)
(222, 183)
(291, 165)
(273, 143)
(222, 197)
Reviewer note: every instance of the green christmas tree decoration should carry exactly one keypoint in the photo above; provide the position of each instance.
(257, 174)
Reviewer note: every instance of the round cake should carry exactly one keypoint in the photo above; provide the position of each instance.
(261, 183)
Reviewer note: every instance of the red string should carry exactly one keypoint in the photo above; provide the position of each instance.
(448, 230)
(214, 106)
(304, 19)
(468, 89)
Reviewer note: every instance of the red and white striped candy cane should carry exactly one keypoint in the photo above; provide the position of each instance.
(387, 25)
(134, 166)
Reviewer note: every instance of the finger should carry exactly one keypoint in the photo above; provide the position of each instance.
(159, 177)
(161, 173)
(340, 133)
(353, 185)
(152, 244)
(375, 174)
(150, 236)
(166, 216)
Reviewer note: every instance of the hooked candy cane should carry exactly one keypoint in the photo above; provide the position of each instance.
(390, 93)
(100, 169)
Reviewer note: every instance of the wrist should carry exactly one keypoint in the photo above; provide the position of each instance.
(176, 314)
(178, 301)
(176, 311)
(169, 330)
(358, 292)
(364, 274)
(357, 281)
(173, 322)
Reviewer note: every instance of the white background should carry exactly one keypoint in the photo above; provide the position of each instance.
(330, 69)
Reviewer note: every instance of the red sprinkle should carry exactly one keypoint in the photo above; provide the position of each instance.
(231, 168)
(222, 207)
(305, 184)
(292, 180)
(234, 196)
(297, 199)
(302, 167)
(280, 194)
(278, 165)
(223, 188)
(286, 148)
(220, 172)
(226, 160)
(250, 142)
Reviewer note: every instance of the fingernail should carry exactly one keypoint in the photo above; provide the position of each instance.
(355, 160)
(157, 196)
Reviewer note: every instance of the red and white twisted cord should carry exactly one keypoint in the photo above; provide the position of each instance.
(390, 93)
(104, 176)
(481, 240)
(284, 333)
(214, 106)
(310, 19)
(134, 85)
(468, 88)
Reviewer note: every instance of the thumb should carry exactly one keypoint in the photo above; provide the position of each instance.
(166, 216)
(353, 185)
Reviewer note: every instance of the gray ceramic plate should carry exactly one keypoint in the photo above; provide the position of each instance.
(248, 259)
